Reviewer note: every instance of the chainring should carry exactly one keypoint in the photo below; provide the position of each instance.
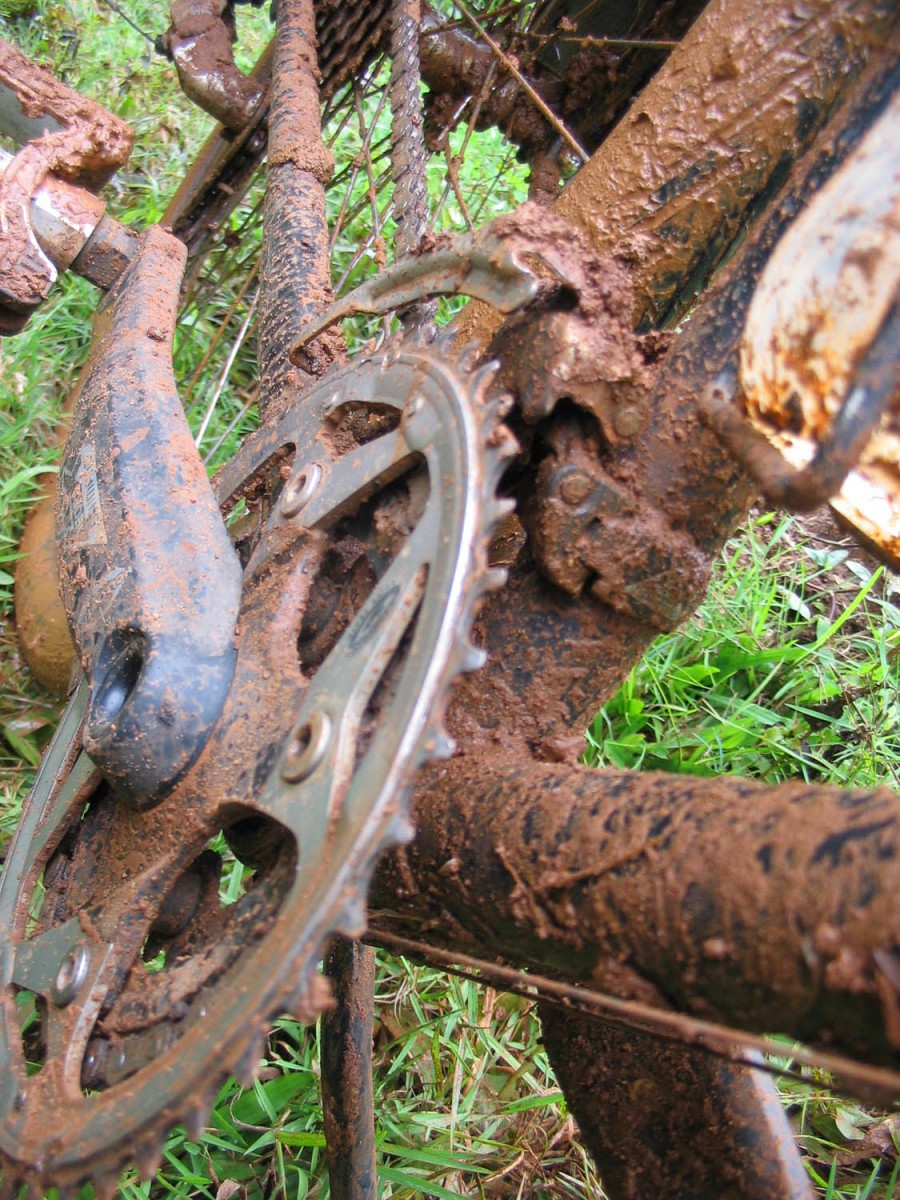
(131, 986)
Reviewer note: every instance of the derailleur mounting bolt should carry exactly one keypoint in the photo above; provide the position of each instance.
(576, 488)
(71, 976)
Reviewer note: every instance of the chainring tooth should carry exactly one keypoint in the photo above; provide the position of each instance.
(197, 1118)
(147, 1160)
(478, 430)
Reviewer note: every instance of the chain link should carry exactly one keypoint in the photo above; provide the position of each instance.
(409, 156)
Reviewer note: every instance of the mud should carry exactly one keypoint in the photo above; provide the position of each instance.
(556, 658)
(709, 138)
(649, 1111)
(813, 331)
(765, 908)
(457, 65)
(82, 141)
(75, 139)
(347, 1100)
(40, 615)
(294, 124)
(590, 524)
(295, 270)
(148, 574)
(200, 43)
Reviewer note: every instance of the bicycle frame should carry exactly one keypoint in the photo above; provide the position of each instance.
(742, 905)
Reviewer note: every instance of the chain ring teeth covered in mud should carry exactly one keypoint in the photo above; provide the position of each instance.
(301, 989)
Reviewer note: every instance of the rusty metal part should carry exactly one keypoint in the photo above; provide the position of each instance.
(347, 1100)
(763, 908)
(69, 136)
(148, 576)
(711, 139)
(295, 270)
(639, 1105)
(361, 574)
(199, 42)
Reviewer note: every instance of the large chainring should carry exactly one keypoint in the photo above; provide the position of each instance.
(136, 975)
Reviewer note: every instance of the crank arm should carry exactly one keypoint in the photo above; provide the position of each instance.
(148, 575)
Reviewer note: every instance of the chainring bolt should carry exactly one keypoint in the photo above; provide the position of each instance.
(306, 748)
(71, 976)
(300, 490)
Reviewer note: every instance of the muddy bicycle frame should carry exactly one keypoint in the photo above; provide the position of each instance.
(739, 905)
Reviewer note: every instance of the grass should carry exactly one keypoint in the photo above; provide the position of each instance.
(789, 669)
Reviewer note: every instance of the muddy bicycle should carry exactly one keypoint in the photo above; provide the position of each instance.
(452, 539)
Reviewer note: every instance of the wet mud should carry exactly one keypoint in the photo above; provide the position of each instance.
(295, 268)
(766, 908)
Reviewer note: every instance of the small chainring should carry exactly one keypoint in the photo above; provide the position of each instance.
(145, 953)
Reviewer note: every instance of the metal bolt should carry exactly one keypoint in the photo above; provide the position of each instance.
(627, 421)
(576, 488)
(300, 490)
(71, 976)
(306, 748)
